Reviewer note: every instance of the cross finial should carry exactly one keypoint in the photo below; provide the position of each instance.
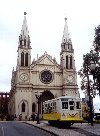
(25, 13)
(65, 18)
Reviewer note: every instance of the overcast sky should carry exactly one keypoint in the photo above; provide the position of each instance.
(45, 19)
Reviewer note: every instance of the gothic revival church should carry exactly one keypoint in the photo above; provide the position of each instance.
(43, 77)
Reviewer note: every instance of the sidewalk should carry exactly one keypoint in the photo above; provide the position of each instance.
(43, 125)
(77, 129)
(54, 130)
(34, 123)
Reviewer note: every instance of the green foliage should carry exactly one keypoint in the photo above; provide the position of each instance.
(85, 71)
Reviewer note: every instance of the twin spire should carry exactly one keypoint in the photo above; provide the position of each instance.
(65, 37)
(24, 39)
(24, 31)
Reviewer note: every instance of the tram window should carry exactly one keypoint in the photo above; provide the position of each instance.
(48, 105)
(64, 105)
(44, 110)
(54, 105)
(45, 105)
(71, 102)
(78, 105)
(71, 107)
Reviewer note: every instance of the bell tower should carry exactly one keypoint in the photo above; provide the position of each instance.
(68, 64)
(24, 48)
(67, 51)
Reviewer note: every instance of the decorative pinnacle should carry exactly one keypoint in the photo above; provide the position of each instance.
(25, 13)
(65, 18)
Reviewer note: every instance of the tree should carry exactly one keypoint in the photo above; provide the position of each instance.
(86, 71)
(87, 84)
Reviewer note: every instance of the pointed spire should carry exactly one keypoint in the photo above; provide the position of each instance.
(24, 39)
(24, 31)
(65, 32)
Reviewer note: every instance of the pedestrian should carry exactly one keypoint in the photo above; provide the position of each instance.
(26, 117)
(15, 116)
(33, 116)
(36, 116)
(20, 117)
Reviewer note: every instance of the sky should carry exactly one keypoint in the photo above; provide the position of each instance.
(45, 19)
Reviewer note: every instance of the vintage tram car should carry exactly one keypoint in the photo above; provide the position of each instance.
(64, 110)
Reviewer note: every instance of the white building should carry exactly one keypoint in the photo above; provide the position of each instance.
(43, 76)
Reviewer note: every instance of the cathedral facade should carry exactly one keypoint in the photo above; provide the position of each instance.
(43, 77)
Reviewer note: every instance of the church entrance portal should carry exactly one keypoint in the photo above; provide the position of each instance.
(46, 95)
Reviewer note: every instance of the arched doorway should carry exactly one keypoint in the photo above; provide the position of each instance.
(23, 108)
(46, 95)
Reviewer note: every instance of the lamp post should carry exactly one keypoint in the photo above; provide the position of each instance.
(95, 71)
(91, 68)
(86, 71)
(38, 101)
(90, 103)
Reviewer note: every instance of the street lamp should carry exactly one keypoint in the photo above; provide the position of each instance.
(91, 67)
(86, 70)
(90, 101)
(95, 71)
(38, 101)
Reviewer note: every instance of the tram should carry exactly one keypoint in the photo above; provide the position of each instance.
(63, 110)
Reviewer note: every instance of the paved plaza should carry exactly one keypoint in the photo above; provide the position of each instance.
(78, 129)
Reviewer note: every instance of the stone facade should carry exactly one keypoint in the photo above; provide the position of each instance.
(43, 77)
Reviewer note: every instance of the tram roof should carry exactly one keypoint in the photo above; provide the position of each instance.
(69, 97)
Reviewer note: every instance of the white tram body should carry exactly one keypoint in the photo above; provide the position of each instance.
(63, 109)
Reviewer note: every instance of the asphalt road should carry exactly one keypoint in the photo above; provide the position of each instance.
(20, 129)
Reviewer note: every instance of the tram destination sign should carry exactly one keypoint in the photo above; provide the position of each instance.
(64, 99)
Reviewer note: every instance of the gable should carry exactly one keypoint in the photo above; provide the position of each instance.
(46, 61)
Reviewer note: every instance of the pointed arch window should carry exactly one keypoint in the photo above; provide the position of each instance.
(23, 107)
(24, 42)
(71, 62)
(64, 45)
(67, 62)
(33, 107)
(28, 41)
(26, 59)
(68, 45)
(22, 59)
(71, 47)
